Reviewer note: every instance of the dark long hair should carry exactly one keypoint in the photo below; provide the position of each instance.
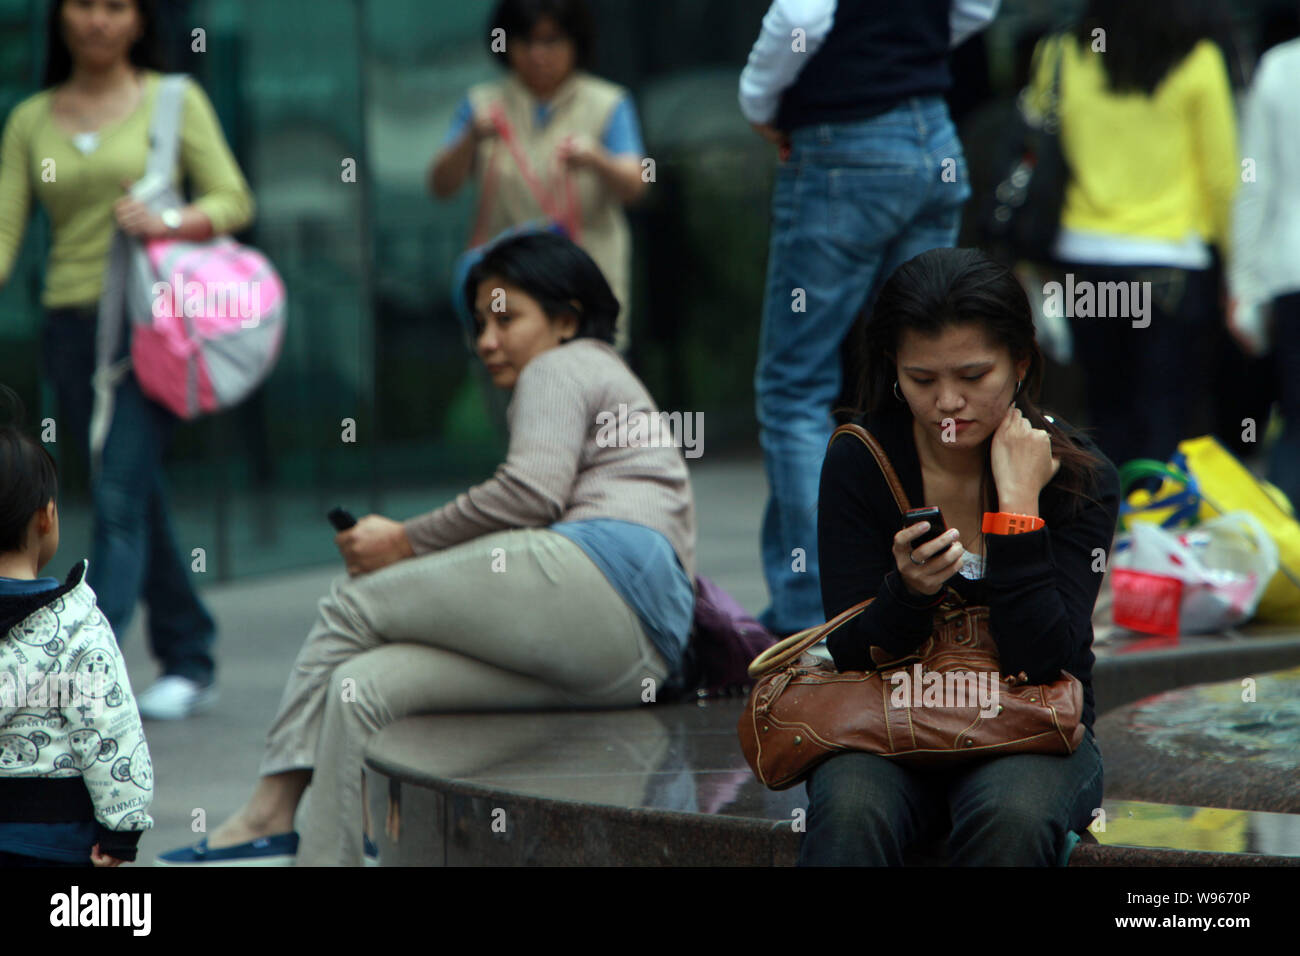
(29, 479)
(145, 53)
(945, 287)
(555, 272)
(518, 17)
(1145, 39)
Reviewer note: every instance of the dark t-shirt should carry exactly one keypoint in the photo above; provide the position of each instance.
(1039, 586)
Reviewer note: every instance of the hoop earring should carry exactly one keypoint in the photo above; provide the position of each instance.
(897, 394)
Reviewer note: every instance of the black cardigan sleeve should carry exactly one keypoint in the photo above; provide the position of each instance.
(857, 519)
(1042, 586)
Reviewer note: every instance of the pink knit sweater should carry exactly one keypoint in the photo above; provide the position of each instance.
(556, 469)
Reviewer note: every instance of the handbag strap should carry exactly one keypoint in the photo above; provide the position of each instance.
(782, 652)
(1052, 119)
(165, 125)
(891, 476)
(164, 142)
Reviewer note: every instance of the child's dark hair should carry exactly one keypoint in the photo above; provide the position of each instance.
(556, 273)
(29, 479)
(518, 18)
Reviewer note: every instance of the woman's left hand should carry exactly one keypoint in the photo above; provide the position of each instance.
(372, 543)
(1021, 458)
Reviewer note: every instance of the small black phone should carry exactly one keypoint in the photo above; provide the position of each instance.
(341, 520)
(931, 514)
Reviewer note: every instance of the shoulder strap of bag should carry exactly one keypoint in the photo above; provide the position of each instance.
(782, 652)
(1049, 119)
(1053, 118)
(164, 140)
(165, 125)
(891, 476)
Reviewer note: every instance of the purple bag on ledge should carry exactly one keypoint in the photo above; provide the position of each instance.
(724, 640)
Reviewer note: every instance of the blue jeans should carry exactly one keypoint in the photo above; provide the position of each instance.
(864, 810)
(1284, 460)
(852, 203)
(134, 553)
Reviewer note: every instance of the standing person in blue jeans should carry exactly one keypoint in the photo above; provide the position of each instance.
(89, 126)
(872, 173)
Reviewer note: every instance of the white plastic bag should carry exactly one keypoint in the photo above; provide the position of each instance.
(1223, 566)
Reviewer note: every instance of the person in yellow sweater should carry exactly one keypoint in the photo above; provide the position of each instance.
(1148, 129)
(75, 147)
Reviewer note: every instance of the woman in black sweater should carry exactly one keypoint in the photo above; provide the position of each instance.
(951, 340)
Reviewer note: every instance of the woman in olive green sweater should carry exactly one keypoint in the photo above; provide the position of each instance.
(75, 147)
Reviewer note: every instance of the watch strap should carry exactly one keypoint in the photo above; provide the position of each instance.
(1005, 522)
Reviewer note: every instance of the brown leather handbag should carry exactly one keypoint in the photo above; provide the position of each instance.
(803, 711)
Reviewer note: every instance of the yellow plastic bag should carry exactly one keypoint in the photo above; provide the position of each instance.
(1204, 480)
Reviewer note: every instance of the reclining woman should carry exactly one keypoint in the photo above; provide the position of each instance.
(563, 581)
(949, 386)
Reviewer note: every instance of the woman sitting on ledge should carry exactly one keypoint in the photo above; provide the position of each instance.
(951, 339)
(563, 581)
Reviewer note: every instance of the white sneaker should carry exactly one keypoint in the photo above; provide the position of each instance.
(174, 698)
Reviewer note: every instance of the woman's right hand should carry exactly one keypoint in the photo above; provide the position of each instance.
(941, 558)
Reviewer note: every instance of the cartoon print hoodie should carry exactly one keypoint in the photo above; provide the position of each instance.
(72, 745)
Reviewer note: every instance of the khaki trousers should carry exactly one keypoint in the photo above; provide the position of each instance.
(513, 620)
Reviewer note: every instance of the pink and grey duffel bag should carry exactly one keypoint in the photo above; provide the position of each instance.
(206, 318)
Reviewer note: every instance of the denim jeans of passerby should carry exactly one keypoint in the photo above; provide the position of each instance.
(1018, 810)
(134, 553)
(1284, 459)
(851, 203)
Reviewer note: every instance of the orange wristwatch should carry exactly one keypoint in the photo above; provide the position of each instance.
(1004, 522)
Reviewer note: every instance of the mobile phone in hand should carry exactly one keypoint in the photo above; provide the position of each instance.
(931, 514)
(341, 520)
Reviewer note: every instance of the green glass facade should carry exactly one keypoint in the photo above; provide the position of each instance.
(303, 87)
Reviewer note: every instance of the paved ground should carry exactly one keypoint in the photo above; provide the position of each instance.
(210, 762)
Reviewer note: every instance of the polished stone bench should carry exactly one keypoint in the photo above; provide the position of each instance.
(666, 784)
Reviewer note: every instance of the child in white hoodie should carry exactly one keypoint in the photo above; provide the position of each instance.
(76, 781)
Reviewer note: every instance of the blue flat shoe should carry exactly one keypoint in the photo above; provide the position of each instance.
(278, 850)
(372, 851)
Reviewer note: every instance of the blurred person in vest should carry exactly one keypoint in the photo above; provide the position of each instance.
(1264, 276)
(1148, 128)
(872, 174)
(76, 147)
(572, 152)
